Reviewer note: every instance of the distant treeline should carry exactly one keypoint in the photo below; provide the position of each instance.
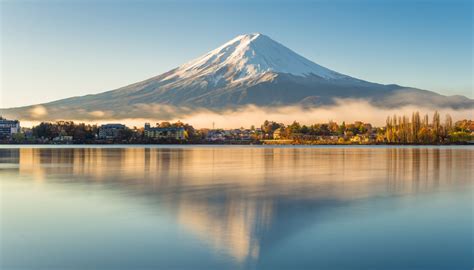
(326, 129)
(398, 130)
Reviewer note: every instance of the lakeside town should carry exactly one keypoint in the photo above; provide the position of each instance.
(398, 130)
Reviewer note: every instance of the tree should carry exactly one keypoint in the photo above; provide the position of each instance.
(19, 137)
(405, 129)
(333, 127)
(294, 128)
(425, 135)
(304, 129)
(436, 127)
(415, 127)
(342, 128)
(448, 125)
(464, 125)
(165, 124)
(44, 130)
(269, 127)
(389, 130)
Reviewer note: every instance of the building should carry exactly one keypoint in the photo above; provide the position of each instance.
(8, 127)
(277, 134)
(63, 139)
(360, 139)
(176, 133)
(110, 131)
(218, 135)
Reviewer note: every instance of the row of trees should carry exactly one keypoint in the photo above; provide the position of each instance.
(414, 129)
(419, 130)
(325, 129)
(82, 133)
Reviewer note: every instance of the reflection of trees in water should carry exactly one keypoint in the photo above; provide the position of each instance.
(424, 169)
(412, 169)
(232, 197)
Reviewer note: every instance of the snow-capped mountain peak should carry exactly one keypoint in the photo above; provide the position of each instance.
(251, 56)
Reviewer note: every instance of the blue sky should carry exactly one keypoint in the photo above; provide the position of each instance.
(57, 49)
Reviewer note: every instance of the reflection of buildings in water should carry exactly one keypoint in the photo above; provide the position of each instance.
(9, 156)
(227, 196)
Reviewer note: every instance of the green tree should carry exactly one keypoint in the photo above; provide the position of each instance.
(342, 128)
(44, 130)
(19, 137)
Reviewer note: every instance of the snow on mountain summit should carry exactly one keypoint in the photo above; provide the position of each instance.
(251, 56)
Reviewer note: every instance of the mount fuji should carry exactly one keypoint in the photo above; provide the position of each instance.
(250, 69)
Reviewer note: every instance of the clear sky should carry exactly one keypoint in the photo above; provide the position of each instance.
(58, 49)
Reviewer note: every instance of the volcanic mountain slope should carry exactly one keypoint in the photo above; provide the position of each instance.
(249, 69)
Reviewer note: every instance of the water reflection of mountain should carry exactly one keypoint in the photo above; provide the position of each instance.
(234, 198)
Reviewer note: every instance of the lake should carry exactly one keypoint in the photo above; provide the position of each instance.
(236, 207)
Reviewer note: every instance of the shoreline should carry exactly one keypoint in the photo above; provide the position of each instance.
(114, 145)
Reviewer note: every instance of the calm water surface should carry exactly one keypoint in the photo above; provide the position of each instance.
(236, 208)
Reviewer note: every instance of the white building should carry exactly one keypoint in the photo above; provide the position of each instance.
(8, 127)
(177, 133)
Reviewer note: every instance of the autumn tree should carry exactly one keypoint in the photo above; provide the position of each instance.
(436, 127)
